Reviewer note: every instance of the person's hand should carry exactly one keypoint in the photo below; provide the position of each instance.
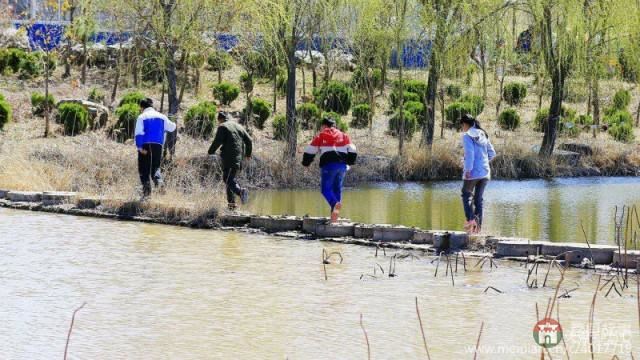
(467, 175)
(142, 151)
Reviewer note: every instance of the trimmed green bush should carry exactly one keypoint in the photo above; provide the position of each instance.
(509, 120)
(96, 95)
(475, 101)
(200, 120)
(417, 87)
(358, 80)
(281, 83)
(454, 112)
(74, 117)
(308, 114)
(5, 113)
(410, 124)
(514, 93)
(584, 120)
(29, 66)
(360, 116)
(246, 82)
(418, 110)
(568, 115)
(340, 124)
(132, 97)
(619, 117)
(280, 127)
(621, 99)
(39, 103)
(622, 132)
(13, 58)
(394, 98)
(334, 97)
(262, 109)
(225, 93)
(127, 115)
(454, 91)
(219, 61)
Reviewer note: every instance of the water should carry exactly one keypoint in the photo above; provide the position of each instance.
(158, 292)
(536, 209)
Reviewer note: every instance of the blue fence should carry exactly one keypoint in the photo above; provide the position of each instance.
(46, 36)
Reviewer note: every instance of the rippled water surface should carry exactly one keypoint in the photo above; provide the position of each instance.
(536, 209)
(157, 292)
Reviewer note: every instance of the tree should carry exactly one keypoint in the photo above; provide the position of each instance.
(399, 30)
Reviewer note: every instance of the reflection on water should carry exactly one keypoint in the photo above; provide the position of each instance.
(157, 292)
(537, 209)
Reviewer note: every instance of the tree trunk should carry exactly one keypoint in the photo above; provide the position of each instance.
(162, 92)
(116, 79)
(292, 134)
(384, 73)
(172, 96)
(219, 75)
(304, 81)
(442, 113)
(46, 94)
(83, 76)
(275, 84)
(638, 115)
(596, 100)
(400, 103)
(430, 101)
(185, 79)
(555, 111)
(196, 90)
(67, 63)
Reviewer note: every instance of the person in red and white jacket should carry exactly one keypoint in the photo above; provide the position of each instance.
(336, 154)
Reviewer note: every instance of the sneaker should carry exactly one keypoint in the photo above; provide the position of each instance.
(244, 195)
(335, 214)
(471, 226)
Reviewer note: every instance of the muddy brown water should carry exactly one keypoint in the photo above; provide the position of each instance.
(159, 292)
(535, 209)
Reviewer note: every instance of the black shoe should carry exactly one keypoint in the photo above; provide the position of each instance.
(244, 195)
(232, 206)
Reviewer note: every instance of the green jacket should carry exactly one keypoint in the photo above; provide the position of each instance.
(236, 144)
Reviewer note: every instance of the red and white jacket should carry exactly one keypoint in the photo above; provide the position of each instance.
(333, 145)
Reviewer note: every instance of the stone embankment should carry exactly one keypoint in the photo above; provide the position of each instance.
(583, 255)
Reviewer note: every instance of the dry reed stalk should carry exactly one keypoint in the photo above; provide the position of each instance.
(475, 353)
(366, 338)
(73, 318)
(424, 338)
(564, 343)
(591, 314)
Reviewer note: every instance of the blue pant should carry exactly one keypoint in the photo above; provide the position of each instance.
(331, 181)
(472, 199)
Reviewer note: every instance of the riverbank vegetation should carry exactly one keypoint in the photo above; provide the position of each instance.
(565, 107)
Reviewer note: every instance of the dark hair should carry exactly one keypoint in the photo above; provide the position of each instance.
(473, 122)
(328, 121)
(222, 115)
(146, 103)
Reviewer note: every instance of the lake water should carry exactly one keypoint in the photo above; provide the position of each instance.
(536, 209)
(160, 292)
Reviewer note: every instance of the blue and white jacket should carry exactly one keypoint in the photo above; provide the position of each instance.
(478, 152)
(151, 126)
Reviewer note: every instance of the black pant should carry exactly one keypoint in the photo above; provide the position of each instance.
(149, 166)
(473, 191)
(229, 178)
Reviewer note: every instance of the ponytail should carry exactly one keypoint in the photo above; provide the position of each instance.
(477, 126)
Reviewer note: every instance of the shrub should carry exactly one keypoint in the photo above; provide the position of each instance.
(335, 97)
(509, 120)
(340, 124)
(622, 132)
(418, 110)
(418, 87)
(514, 93)
(453, 91)
(621, 99)
(358, 80)
(476, 102)
(5, 113)
(410, 124)
(360, 116)
(219, 61)
(408, 97)
(309, 115)
(280, 128)
(257, 63)
(29, 67)
(39, 103)
(246, 82)
(540, 121)
(200, 119)
(74, 117)
(133, 97)
(13, 58)
(262, 109)
(619, 117)
(454, 112)
(41, 58)
(126, 124)
(281, 83)
(584, 120)
(96, 95)
(225, 93)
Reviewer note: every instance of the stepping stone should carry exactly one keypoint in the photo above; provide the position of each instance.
(235, 220)
(90, 202)
(450, 240)
(309, 223)
(630, 261)
(272, 224)
(3, 193)
(57, 197)
(492, 241)
(335, 230)
(386, 233)
(363, 231)
(24, 196)
(602, 254)
(519, 248)
(422, 237)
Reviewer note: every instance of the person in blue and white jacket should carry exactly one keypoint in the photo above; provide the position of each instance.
(478, 153)
(151, 127)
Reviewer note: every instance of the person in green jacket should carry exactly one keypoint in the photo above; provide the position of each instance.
(236, 144)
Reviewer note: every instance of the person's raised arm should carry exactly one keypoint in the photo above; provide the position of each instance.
(221, 134)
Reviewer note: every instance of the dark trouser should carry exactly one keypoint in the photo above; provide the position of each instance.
(149, 166)
(229, 178)
(472, 192)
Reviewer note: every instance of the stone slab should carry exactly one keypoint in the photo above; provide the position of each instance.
(363, 231)
(335, 230)
(309, 223)
(89, 202)
(387, 233)
(274, 224)
(57, 197)
(422, 237)
(519, 248)
(602, 254)
(450, 240)
(631, 260)
(24, 196)
(235, 220)
(492, 241)
(3, 193)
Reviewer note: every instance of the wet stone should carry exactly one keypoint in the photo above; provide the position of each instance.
(388, 233)
(518, 248)
(450, 240)
(576, 252)
(363, 231)
(57, 197)
(235, 220)
(89, 202)
(335, 230)
(24, 196)
(3, 193)
(629, 260)
(309, 223)
(276, 224)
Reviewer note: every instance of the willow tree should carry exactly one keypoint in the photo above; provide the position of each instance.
(400, 8)
(82, 28)
(561, 31)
